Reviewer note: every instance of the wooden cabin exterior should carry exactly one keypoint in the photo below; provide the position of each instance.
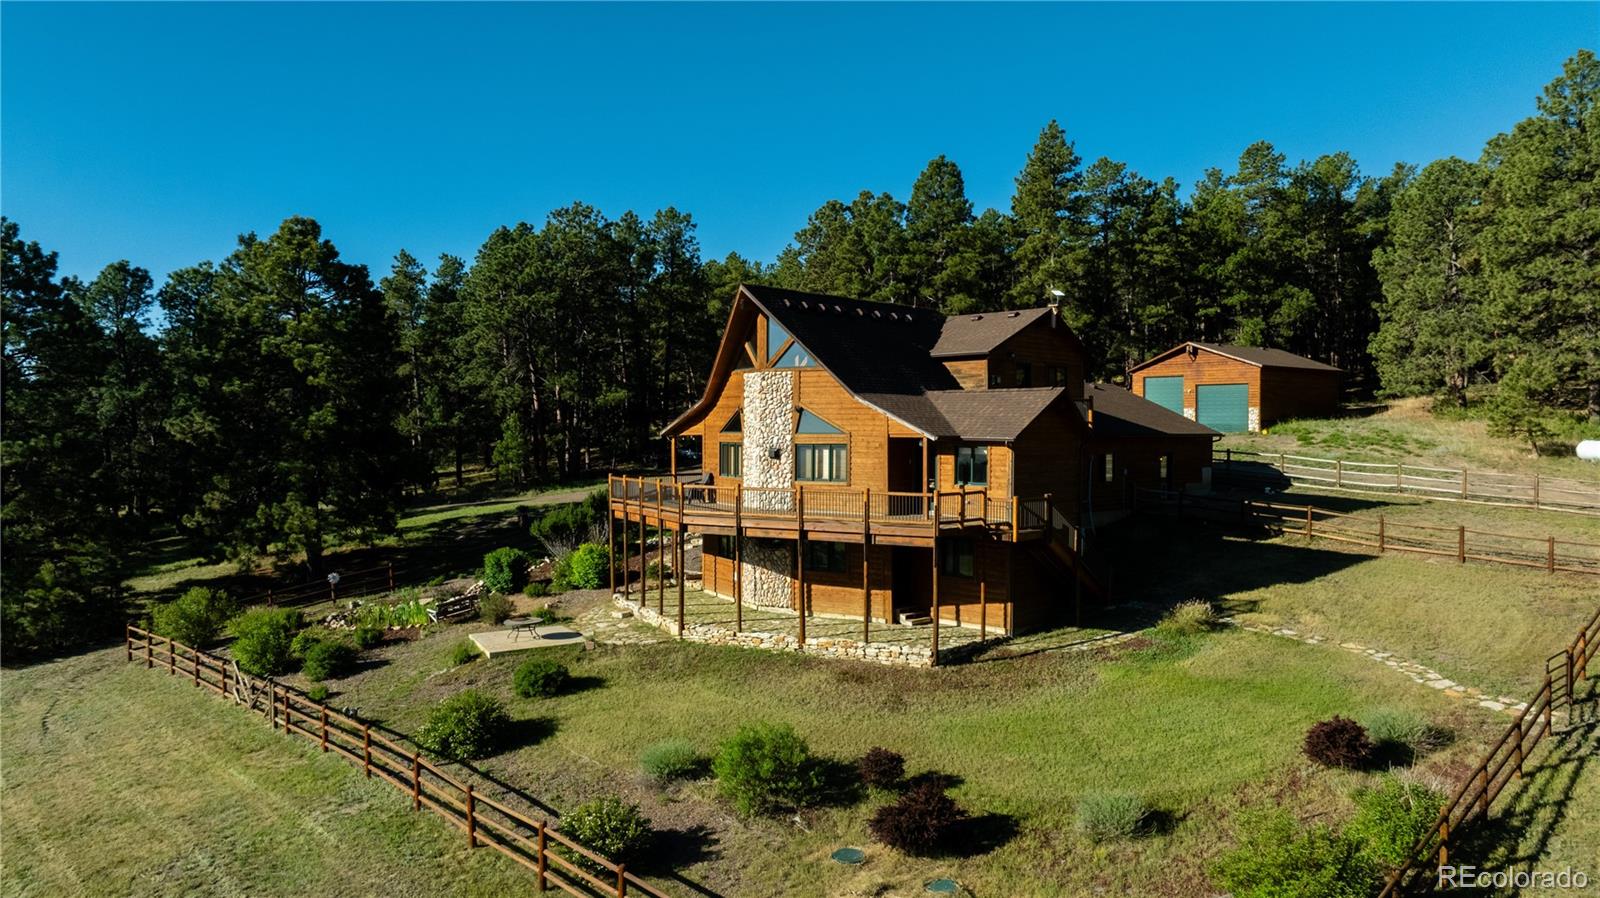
(890, 464)
(1237, 388)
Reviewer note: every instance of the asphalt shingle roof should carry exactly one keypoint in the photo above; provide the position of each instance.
(1120, 413)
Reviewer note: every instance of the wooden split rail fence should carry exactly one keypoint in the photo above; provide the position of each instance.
(353, 584)
(1548, 553)
(1246, 468)
(1504, 762)
(555, 859)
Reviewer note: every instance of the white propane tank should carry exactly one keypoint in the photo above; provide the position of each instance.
(1589, 450)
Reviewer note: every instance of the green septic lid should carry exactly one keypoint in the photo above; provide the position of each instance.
(850, 856)
(943, 887)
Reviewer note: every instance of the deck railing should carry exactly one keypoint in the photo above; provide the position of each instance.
(961, 507)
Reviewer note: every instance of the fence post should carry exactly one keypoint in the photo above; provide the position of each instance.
(539, 872)
(366, 749)
(1381, 533)
(1568, 653)
(127, 639)
(1444, 843)
(1583, 654)
(1519, 746)
(416, 781)
(1550, 700)
(472, 819)
(1463, 483)
(1338, 472)
(1461, 544)
(149, 654)
(324, 727)
(391, 576)
(172, 659)
(1536, 490)
(1308, 523)
(1550, 555)
(622, 882)
(196, 662)
(1483, 794)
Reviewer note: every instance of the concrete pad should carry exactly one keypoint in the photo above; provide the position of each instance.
(496, 642)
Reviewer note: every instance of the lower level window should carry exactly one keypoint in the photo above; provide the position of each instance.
(720, 546)
(821, 556)
(820, 462)
(956, 557)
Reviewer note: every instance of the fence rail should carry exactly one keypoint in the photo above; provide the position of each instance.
(1503, 763)
(1245, 467)
(555, 859)
(353, 584)
(1547, 553)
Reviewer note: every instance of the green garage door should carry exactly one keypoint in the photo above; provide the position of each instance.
(1166, 392)
(1223, 407)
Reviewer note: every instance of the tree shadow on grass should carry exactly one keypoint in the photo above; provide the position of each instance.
(981, 834)
(583, 683)
(840, 783)
(528, 732)
(676, 848)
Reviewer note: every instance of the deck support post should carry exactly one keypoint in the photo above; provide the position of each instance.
(644, 550)
(677, 564)
(661, 554)
(738, 558)
(866, 589)
(983, 590)
(934, 551)
(800, 558)
(611, 537)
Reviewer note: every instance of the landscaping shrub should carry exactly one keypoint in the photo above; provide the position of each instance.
(505, 570)
(195, 618)
(327, 659)
(563, 527)
(765, 767)
(1190, 619)
(366, 637)
(460, 653)
(1103, 816)
(1391, 817)
(305, 639)
(674, 759)
(540, 678)
(585, 568)
(264, 641)
(538, 589)
(408, 613)
(545, 614)
(921, 822)
(466, 726)
(881, 768)
(494, 608)
(1339, 742)
(1390, 727)
(610, 826)
(318, 693)
(1277, 859)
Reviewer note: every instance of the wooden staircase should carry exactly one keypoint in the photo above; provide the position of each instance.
(1055, 551)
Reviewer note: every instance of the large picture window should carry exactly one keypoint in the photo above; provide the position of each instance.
(820, 462)
(821, 556)
(730, 460)
(972, 465)
(956, 557)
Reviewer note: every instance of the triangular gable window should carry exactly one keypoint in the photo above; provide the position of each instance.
(776, 336)
(795, 357)
(810, 423)
(735, 424)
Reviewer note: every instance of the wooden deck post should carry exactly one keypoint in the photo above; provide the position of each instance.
(149, 653)
(738, 558)
(983, 589)
(678, 563)
(472, 818)
(1011, 568)
(866, 588)
(644, 551)
(800, 558)
(539, 870)
(933, 657)
(661, 554)
(611, 537)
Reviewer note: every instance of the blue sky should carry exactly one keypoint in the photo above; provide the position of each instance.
(158, 133)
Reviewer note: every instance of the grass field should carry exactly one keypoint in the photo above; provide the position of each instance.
(1406, 430)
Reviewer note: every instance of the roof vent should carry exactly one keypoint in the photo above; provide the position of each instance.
(804, 304)
(838, 310)
(876, 313)
(861, 313)
(1013, 314)
(977, 318)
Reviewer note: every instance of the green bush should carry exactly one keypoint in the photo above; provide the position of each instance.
(505, 570)
(195, 618)
(586, 568)
(460, 653)
(538, 589)
(366, 637)
(466, 726)
(570, 523)
(264, 641)
(1278, 859)
(767, 767)
(545, 614)
(1394, 727)
(610, 826)
(328, 659)
(494, 608)
(1391, 817)
(318, 693)
(307, 638)
(408, 613)
(540, 678)
(674, 759)
(1190, 619)
(1103, 816)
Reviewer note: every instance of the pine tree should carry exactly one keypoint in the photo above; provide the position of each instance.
(1047, 212)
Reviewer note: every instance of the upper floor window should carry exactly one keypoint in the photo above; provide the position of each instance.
(776, 337)
(822, 556)
(1024, 374)
(735, 424)
(995, 382)
(1108, 468)
(730, 460)
(808, 422)
(820, 462)
(972, 465)
(1058, 376)
(795, 357)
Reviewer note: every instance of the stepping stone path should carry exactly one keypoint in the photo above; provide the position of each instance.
(1427, 676)
(602, 625)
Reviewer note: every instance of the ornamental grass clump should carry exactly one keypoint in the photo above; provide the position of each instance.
(1104, 816)
(674, 759)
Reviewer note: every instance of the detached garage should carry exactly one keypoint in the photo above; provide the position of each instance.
(1237, 388)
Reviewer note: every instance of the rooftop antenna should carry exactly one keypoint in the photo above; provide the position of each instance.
(1055, 305)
